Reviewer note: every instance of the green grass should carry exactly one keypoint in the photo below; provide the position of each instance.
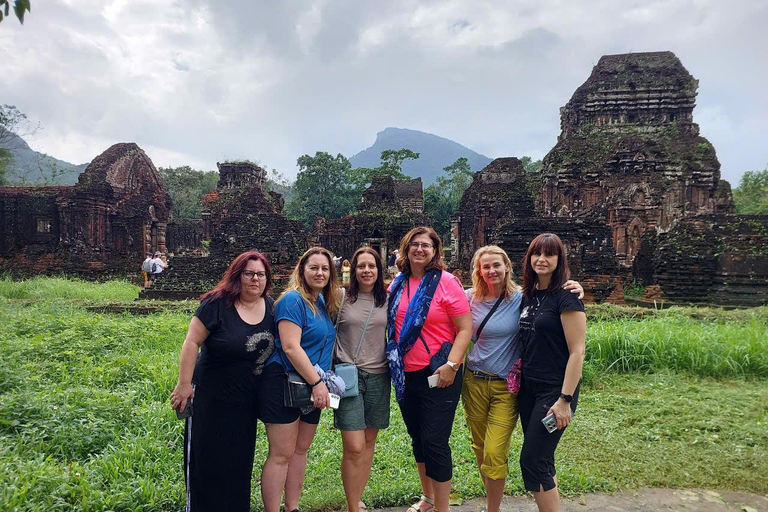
(85, 424)
(67, 288)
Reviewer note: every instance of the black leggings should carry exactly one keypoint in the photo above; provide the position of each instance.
(537, 457)
(428, 415)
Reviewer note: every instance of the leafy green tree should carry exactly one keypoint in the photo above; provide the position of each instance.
(391, 165)
(441, 199)
(322, 188)
(19, 8)
(277, 182)
(187, 187)
(530, 165)
(13, 126)
(751, 196)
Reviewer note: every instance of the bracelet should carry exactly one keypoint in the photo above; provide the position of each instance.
(316, 383)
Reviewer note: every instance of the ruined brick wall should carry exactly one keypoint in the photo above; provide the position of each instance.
(630, 153)
(498, 194)
(719, 259)
(184, 236)
(388, 210)
(588, 244)
(29, 225)
(116, 213)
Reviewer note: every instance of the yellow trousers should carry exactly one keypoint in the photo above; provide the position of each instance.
(491, 413)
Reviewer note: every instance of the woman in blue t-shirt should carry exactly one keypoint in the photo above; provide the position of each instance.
(553, 329)
(305, 340)
(491, 410)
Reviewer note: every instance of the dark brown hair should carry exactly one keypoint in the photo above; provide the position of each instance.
(229, 287)
(551, 245)
(437, 260)
(379, 290)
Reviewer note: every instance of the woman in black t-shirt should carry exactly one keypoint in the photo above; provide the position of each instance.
(552, 333)
(234, 330)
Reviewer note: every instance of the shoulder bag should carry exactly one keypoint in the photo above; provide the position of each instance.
(348, 371)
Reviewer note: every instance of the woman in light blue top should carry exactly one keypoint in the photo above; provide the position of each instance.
(491, 410)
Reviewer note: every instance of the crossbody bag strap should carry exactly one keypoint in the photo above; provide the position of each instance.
(362, 336)
(488, 316)
(336, 324)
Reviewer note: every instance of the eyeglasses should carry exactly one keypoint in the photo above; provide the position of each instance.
(250, 275)
(420, 245)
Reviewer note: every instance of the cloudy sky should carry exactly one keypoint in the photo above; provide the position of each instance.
(199, 81)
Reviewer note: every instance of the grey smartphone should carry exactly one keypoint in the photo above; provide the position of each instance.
(186, 413)
(550, 423)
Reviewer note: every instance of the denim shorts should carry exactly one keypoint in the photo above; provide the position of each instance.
(370, 408)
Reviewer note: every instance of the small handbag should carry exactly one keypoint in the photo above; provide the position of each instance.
(296, 391)
(513, 377)
(348, 371)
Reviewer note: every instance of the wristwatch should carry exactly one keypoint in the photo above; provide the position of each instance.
(567, 398)
(454, 366)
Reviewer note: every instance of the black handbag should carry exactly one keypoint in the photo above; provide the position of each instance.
(296, 391)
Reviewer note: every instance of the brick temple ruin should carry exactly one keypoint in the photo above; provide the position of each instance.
(117, 211)
(630, 186)
(388, 209)
(633, 190)
(240, 215)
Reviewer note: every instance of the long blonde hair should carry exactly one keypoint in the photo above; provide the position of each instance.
(298, 282)
(480, 288)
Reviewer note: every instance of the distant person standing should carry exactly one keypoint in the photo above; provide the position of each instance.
(346, 270)
(146, 269)
(158, 265)
(391, 266)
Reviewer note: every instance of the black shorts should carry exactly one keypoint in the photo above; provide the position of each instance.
(271, 399)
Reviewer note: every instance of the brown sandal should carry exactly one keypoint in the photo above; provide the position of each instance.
(415, 507)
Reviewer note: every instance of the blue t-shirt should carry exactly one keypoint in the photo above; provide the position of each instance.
(498, 347)
(317, 330)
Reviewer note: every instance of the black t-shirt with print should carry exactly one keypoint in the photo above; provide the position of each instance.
(545, 351)
(232, 357)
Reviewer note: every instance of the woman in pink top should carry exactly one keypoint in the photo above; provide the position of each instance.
(430, 325)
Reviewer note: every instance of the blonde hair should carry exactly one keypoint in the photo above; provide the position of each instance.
(298, 283)
(480, 288)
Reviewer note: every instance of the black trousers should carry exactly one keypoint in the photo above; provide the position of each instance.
(428, 416)
(537, 457)
(219, 441)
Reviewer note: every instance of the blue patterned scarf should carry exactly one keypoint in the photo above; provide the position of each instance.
(414, 320)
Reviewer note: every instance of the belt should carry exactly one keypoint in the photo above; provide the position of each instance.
(485, 376)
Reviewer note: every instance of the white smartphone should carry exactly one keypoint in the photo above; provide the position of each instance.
(334, 400)
(433, 380)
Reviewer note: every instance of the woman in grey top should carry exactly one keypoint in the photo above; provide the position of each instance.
(361, 335)
(491, 411)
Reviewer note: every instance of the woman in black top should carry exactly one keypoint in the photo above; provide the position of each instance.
(552, 332)
(234, 329)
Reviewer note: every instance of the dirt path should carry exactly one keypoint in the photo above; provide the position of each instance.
(635, 500)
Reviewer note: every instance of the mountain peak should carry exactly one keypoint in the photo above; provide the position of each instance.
(435, 152)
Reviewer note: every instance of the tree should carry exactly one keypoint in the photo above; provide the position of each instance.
(441, 199)
(391, 165)
(13, 126)
(187, 187)
(751, 196)
(322, 188)
(529, 165)
(19, 8)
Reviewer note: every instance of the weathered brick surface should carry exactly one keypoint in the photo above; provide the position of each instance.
(631, 188)
(104, 224)
(388, 210)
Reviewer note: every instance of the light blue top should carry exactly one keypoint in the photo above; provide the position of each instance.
(498, 346)
(316, 330)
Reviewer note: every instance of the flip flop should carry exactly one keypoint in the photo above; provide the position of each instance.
(415, 507)
(362, 506)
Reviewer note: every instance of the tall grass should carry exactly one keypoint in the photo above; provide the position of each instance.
(677, 342)
(67, 288)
